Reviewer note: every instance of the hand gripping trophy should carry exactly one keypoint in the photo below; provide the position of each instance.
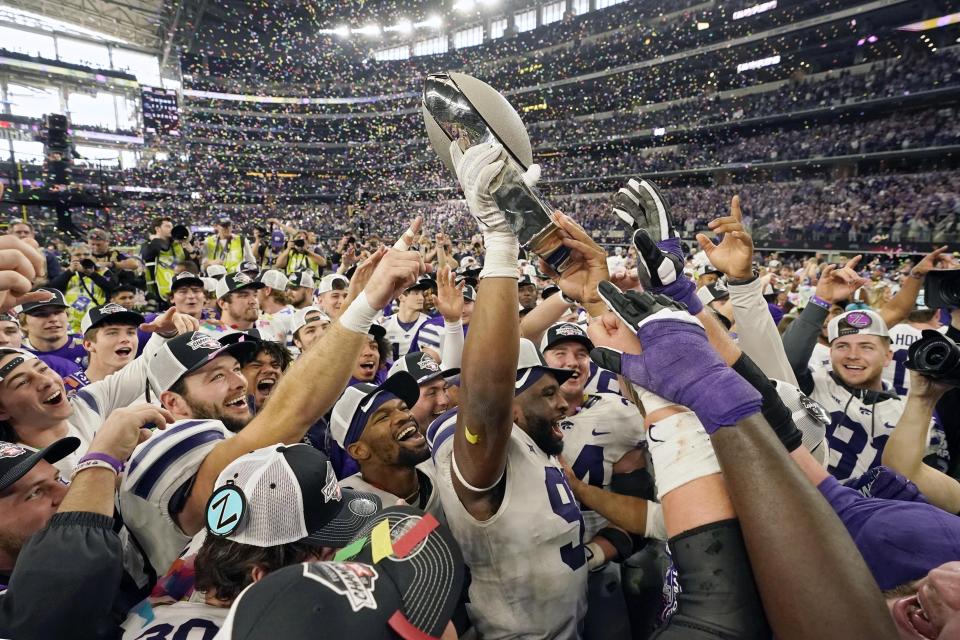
(460, 107)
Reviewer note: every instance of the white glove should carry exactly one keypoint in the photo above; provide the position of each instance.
(477, 170)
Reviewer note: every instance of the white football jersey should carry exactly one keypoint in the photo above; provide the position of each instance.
(859, 430)
(820, 358)
(280, 324)
(601, 381)
(527, 563)
(901, 337)
(428, 500)
(606, 427)
(400, 335)
(181, 620)
(159, 473)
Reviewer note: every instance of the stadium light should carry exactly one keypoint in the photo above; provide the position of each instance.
(403, 26)
(463, 6)
(368, 30)
(343, 31)
(432, 22)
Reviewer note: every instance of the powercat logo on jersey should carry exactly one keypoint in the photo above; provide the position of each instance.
(204, 341)
(351, 579)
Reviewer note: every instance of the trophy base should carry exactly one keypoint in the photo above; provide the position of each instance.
(548, 245)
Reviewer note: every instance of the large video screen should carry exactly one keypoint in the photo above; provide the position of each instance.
(161, 114)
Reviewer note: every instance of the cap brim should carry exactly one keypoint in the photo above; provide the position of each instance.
(348, 522)
(185, 282)
(239, 350)
(585, 341)
(404, 387)
(121, 317)
(51, 453)
(44, 305)
(562, 375)
(446, 373)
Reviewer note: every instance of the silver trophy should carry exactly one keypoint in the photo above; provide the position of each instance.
(460, 107)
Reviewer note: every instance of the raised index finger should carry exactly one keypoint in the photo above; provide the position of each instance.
(853, 262)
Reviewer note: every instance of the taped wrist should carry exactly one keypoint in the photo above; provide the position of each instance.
(656, 527)
(681, 451)
(501, 255)
(620, 540)
(595, 556)
(359, 315)
(776, 413)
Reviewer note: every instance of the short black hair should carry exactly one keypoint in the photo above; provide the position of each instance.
(275, 350)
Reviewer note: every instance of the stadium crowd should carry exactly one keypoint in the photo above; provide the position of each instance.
(266, 435)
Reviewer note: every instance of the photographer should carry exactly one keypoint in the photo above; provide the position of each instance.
(299, 256)
(161, 254)
(82, 286)
(109, 259)
(226, 248)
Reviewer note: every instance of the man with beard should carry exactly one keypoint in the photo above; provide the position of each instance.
(35, 409)
(237, 300)
(164, 494)
(432, 380)
(263, 371)
(110, 337)
(331, 294)
(385, 450)
(300, 287)
(496, 467)
(603, 442)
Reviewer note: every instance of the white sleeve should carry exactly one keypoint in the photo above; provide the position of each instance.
(120, 389)
(452, 351)
(758, 335)
(248, 252)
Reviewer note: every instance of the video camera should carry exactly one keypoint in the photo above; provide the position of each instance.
(935, 356)
(942, 288)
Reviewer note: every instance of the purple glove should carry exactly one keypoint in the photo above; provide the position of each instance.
(883, 482)
(677, 362)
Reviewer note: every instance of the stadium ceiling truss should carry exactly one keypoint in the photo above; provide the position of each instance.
(139, 22)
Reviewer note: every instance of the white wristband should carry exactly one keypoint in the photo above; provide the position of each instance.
(501, 256)
(359, 315)
(655, 528)
(92, 464)
(595, 556)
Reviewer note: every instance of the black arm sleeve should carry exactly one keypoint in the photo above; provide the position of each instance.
(717, 598)
(773, 408)
(65, 580)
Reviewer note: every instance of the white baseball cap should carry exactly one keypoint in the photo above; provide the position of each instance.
(216, 271)
(286, 493)
(859, 322)
(274, 279)
(305, 316)
(326, 282)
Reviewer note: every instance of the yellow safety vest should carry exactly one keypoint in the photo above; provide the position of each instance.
(230, 254)
(81, 294)
(163, 270)
(301, 262)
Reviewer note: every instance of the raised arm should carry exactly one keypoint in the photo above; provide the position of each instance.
(908, 443)
(485, 419)
(756, 330)
(312, 384)
(895, 311)
(777, 506)
(536, 323)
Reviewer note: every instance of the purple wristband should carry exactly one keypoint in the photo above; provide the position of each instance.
(110, 460)
(820, 302)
